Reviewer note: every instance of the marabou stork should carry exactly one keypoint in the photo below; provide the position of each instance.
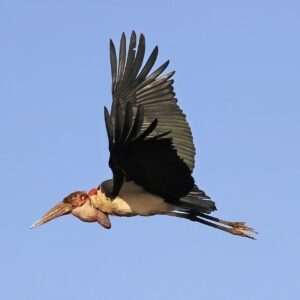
(152, 154)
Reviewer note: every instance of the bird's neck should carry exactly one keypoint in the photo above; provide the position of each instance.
(100, 201)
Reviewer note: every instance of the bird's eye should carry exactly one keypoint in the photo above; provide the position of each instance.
(74, 196)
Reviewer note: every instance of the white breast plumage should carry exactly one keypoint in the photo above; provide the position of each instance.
(132, 200)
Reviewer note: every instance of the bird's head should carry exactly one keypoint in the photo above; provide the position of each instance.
(67, 206)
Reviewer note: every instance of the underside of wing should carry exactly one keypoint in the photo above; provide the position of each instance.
(133, 82)
(148, 159)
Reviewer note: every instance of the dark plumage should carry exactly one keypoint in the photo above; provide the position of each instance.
(149, 137)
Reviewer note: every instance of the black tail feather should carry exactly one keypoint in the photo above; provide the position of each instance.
(196, 201)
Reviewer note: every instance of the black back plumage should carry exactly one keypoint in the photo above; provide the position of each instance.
(150, 141)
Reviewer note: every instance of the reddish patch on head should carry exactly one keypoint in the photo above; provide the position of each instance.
(92, 192)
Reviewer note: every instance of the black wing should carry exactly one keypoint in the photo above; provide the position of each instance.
(150, 141)
(132, 83)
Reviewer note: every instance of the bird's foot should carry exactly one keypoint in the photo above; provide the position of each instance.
(241, 232)
(239, 225)
(241, 229)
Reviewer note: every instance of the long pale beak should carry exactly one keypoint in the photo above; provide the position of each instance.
(55, 212)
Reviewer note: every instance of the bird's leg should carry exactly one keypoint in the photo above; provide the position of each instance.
(237, 225)
(237, 230)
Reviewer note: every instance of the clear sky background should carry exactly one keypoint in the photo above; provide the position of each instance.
(237, 78)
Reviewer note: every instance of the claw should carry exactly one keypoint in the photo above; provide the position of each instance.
(242, 232)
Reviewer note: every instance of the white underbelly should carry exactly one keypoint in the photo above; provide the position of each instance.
(134, 200)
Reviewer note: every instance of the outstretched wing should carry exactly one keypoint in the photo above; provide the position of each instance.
(150, 141)
(132, 83)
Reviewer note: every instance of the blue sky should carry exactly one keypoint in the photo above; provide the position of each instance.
(237, 78)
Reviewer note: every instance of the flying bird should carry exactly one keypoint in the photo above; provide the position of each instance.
(152, 155)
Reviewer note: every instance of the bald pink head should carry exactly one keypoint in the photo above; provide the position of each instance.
(78, 204)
